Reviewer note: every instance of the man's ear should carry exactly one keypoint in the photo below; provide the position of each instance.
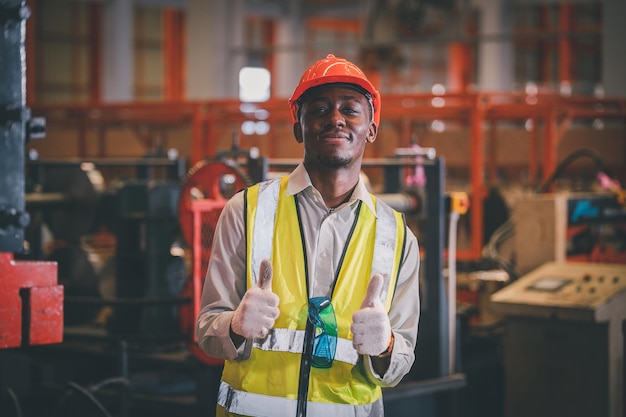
(297, 132)
(372, 132)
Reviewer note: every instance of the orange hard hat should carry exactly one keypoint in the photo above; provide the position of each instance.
(334, 70)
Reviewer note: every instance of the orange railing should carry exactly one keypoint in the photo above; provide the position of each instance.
(202, 128)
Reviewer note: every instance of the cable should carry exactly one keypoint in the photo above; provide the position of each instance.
(491, 250)
(502, 233)
(87, 394)
(568, 160)
(15, 401)
(110, 381)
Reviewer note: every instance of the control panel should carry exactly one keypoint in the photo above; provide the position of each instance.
(581, 291)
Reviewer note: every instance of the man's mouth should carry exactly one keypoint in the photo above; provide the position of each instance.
(334, 137)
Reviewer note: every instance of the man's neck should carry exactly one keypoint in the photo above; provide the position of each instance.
(335, 185)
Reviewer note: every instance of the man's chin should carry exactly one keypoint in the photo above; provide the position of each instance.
(334, 162)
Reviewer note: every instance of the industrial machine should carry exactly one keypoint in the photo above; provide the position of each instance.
(564, 342)
(31, 301)
(573, 226)
(31, 310)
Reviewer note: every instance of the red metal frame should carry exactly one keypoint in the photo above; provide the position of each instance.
(204, 214)
(565, 45)
(95, 52)
(173, 53)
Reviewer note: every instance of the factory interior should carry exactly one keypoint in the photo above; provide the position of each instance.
(128, 124)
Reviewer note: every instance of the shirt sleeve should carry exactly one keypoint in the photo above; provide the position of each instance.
(404, 317)
(224, 284)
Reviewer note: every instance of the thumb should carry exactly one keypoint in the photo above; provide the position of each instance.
(265, 275)
(374, 289)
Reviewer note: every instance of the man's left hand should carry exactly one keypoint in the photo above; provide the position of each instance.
(370, 327)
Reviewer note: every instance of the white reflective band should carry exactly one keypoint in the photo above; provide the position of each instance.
(287, 340)
(250, 404)
(384, 246)
(264, 224)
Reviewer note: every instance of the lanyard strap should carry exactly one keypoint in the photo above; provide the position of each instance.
(305, 369)
(309, 334)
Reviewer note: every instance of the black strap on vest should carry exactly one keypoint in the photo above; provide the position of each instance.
(305, 369)
(309, 333)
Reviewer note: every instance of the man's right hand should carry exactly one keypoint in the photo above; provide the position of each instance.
(258, 309)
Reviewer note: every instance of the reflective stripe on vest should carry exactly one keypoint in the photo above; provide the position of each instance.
(385, 254)
(287, 340)
(236, 402)
(263, 233)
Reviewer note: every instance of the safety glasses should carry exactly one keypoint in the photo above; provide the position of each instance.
(322, 317)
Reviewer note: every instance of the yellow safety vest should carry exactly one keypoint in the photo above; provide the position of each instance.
(266, 384)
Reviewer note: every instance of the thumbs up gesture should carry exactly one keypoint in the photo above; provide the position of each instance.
(370, 327)
(258, 310)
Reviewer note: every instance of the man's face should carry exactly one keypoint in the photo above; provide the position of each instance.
(335, 123)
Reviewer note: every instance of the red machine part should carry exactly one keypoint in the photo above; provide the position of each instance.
(204, 193)
(31, 303)
(208, 179)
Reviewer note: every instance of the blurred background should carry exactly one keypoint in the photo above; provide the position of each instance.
(127, 124)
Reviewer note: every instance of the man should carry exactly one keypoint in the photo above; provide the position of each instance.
(311, 293)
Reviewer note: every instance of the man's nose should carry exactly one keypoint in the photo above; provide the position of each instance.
(336, 118)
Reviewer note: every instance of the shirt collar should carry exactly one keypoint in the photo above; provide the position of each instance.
(299, 181)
